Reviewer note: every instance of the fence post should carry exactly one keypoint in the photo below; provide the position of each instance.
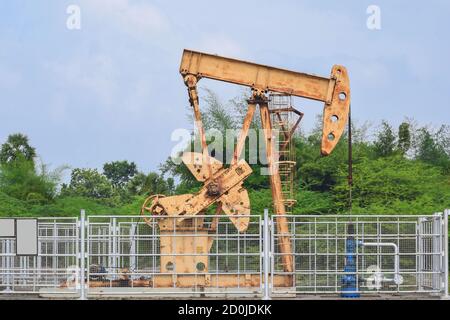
(9, 258)
(436, 230)
(266, 254)
(446, 213)
(82, 256)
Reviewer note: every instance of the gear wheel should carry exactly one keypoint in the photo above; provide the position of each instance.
(152, 207)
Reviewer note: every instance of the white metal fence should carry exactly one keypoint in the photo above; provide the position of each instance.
(207, 256)
(390, 254)
(55, 266)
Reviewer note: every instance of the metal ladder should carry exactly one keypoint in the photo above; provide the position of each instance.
(282, 114)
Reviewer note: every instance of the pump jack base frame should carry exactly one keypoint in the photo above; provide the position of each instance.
(206, 280)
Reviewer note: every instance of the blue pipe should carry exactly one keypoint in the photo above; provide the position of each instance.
(349, 281)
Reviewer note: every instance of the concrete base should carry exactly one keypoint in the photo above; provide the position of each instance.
(59, 293)
(206, 293)
(155, 293)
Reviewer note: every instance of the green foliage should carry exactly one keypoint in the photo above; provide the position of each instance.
(15, 148)
(187, 182)
(311, 202)
(71, 206)
(88, 183)
(406, 172)
(132, 207)
(387, 178)
(308, 202)
(10, 206)
(433, 148)
(318, 173)
(260, 200)
(404, 138)
(21, 183)
(19, 179)
(394, 184)
(386, 140)
(152, 183)
(119, 172)
(216, 116)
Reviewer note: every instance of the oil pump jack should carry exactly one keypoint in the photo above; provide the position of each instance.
(223, 186)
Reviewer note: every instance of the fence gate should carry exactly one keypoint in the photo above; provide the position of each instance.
(353, 255)
(55, 268)
(205, 256)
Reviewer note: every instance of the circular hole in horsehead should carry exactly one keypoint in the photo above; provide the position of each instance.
(334, 118)
(331, 136)
(200, 266)
(169, 266)
(342, 96)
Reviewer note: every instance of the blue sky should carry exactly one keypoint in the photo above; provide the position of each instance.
(111, 90)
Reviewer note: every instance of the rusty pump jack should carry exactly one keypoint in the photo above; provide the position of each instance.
(223, 186)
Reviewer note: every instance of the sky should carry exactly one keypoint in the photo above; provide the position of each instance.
(111, 90)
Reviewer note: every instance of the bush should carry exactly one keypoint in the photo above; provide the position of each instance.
(10, 206)
(19, 179)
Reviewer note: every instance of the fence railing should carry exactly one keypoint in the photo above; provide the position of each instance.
(55, 266)
(387, 254)
(205, 255)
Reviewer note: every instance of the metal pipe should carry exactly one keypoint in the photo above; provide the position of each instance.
(397, 278)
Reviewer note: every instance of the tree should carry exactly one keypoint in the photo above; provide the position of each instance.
(19, 179)
(88, 183)
(395, 184)
(136, 186)
(386, 141)
(152, 183)
(170, 185)
(215, 115)
(404, 138)
(443, 138)
(15, 147)
(155, 183)
(428, 150)
(431, 150)
(119, 172)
